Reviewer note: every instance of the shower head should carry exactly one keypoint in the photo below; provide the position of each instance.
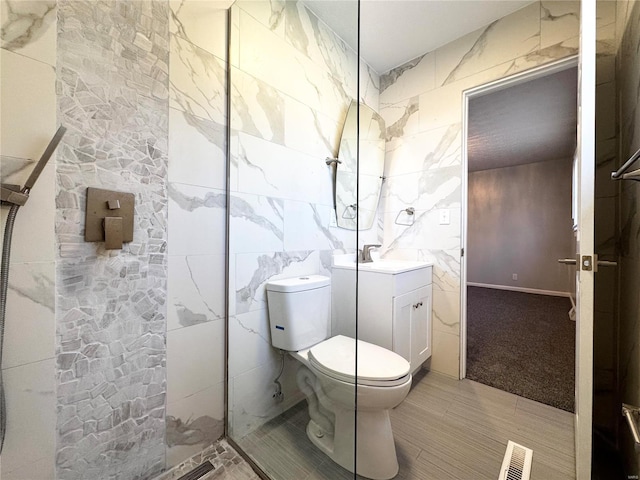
(44, 159)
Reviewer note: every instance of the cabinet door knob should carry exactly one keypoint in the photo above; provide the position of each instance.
(417, 305)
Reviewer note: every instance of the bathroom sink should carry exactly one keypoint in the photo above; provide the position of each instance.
(378, 265)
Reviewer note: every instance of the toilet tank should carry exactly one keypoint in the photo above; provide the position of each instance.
(299, 311)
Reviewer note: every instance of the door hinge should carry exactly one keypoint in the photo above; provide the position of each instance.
(462, 252)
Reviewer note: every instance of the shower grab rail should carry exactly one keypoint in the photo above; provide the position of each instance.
(631, 413)
(622, 174)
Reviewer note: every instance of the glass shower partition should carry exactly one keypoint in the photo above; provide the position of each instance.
(291, 81)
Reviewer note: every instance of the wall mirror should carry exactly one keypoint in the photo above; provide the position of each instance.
(352, 211)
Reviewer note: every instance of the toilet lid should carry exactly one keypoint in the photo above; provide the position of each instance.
(335, 357)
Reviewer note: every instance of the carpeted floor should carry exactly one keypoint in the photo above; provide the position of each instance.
(522, 343)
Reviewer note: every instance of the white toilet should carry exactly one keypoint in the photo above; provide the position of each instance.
(300, 319)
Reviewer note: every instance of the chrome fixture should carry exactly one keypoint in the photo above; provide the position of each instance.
(408, 215)
(366, 253)
(622, 174)
(632, 413)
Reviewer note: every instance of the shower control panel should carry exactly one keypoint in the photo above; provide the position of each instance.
(109, 217)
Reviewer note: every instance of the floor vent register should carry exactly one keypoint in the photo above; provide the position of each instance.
(517, 463)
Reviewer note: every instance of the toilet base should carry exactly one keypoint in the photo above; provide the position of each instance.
(376, 451)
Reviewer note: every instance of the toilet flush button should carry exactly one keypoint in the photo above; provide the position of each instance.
(304, 278)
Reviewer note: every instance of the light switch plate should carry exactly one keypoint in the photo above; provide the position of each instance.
(445, 218)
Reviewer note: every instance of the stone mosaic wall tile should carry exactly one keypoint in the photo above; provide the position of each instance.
(113, 94)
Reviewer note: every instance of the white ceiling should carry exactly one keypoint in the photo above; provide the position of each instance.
(396, 31)
(527, 123)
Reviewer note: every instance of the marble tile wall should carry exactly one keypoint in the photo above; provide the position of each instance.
(27, 123)
(605, 405)
(421, 104)
(292, 80)
(111, 306)
(197, 210)
(628, 79)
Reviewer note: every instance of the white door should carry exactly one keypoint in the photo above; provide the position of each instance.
(585, 186)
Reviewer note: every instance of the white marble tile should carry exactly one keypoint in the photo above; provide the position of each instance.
(31, 420)
(606, 40)
(197, 81)
(314, 39)
(605, 13)
(195, 359)
(446, 353)
(425, 233)
(257, 108)
(28, 99)
(195, 290)
(197, 220)
(402, 118)
(606, 111)
(249, 334)
(408, 80)
(306, 227)
(30, 320)
(33, 233)
(196, 150)
(253, 271)
(446, 311)
(265, 168)
(446, 268)
(369, 86)
(559, 21)
(311, 132)
(433, 149)
(505, 39)
(194, 422)
(256, 224)
(253, 391)
(29, 28)
(202, 23)
(269, 13)
(296, 75)
(424, 190)
(234, 36)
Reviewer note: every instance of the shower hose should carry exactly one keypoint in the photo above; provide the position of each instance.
(4, 284)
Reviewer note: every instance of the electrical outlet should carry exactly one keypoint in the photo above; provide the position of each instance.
(514, 276)
(445, 218)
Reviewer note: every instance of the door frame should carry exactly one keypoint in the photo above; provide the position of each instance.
(475, 92)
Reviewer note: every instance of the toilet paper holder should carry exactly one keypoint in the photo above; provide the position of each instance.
(109, 217)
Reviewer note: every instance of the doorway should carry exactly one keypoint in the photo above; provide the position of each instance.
(517, 300)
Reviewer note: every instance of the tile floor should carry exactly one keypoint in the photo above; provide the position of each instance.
(445, 429)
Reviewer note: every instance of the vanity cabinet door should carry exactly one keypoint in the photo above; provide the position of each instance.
(412, 326)
(402, 306)
(421, 327)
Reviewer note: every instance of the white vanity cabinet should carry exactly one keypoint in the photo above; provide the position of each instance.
(394, 308)
(412, 326)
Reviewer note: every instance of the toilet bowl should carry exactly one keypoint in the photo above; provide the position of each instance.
(346, 398)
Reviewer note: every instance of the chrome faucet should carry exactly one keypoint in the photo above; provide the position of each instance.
(366, 253)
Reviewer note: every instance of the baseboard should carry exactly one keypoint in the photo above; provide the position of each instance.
(552, 293)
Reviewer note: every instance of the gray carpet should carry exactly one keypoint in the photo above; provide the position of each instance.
(522, 343)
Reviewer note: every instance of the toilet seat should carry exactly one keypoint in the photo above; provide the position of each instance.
(377, 366)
